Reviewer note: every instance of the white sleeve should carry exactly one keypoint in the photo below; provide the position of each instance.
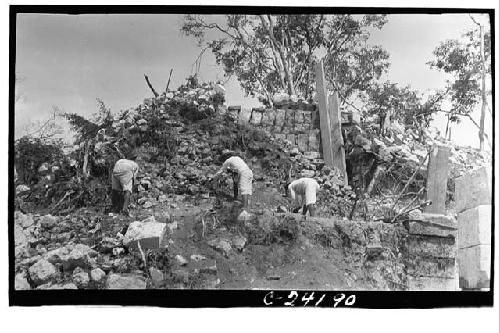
(293, 196)
(223, 168)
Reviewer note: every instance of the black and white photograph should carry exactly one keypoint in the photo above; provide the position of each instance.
(289, 157)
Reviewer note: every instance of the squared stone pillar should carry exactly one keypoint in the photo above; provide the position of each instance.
(474, 266)
(474, 227)
(473, 189)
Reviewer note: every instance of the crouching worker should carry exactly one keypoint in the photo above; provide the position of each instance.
(303, 193)
(122, 182)
(243, 180)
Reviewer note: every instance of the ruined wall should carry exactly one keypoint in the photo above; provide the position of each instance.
(419, 255)
(297, 124)
(473, 205)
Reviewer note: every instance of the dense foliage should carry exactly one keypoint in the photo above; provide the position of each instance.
(277, 53)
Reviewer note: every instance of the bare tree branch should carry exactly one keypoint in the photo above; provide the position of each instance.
(168, 83)
(150, 86)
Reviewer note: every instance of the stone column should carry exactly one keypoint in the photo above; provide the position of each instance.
(473, 205)
(431, 251)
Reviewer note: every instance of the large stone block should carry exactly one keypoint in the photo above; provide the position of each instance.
(474, 227)
(256, 117)
(474, 265)
(280, 136)
(268, 118)
(473, 189)
(431, 284)
(289, 118)
(422, 228)
(150, 234)
(432, 225)
(280, 118)
(431, 247)
(244, 115)
(299, 127)
(431, 267)
(314, 141)
(117, 281)
(292, 138)
(299, 117)
(303, 142)
(307, 118)
(234, 107)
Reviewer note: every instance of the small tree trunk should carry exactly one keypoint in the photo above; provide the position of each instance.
(447, 126)
(375, 177)
(86, 159)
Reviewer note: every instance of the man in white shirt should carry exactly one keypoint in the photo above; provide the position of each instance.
(303, 193)
(234, 163)
(122, 182)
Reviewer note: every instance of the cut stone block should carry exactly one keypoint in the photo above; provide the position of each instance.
(311, 155)
(299, 117)
(256, 117)
(431, 284)
(117, 281)
(473, 189)
(280, 118)
(474, 227)
(234, 107)
(432, 225)
(355, 117)
(244, 115)
(431, 247)
(314, 141)
(434, 219)
(307, 118)
(292, 138)
(268, 118)
(289, 118)
(303, 141)
(280, 136)
(474, 265)
(431, 267)
(151, 235)
(422, 228)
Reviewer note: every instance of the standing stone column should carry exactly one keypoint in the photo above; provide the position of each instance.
(473, 205)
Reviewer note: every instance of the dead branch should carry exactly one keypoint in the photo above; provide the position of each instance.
(150, 85)
(168, 83)
(409, 181)
(86, 159)
(376, 175)
(142, 254)
(62, 199)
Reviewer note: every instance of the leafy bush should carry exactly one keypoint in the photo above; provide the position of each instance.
(31, 153)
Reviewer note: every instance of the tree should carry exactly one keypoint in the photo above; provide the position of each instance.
(276, 53)
(468, 61)
(402, 103)
(87, 129)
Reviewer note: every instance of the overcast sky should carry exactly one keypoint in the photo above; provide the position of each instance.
(69, 61)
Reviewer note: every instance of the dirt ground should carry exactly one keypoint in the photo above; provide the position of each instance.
(301, 264)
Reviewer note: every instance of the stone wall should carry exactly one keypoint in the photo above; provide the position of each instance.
(297, 122)
(431, 252)
(299, 126)
(417, 256)
(473, 205)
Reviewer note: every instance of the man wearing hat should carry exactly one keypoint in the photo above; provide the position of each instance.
(232, 162)
(303, 193)
(122, 181)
